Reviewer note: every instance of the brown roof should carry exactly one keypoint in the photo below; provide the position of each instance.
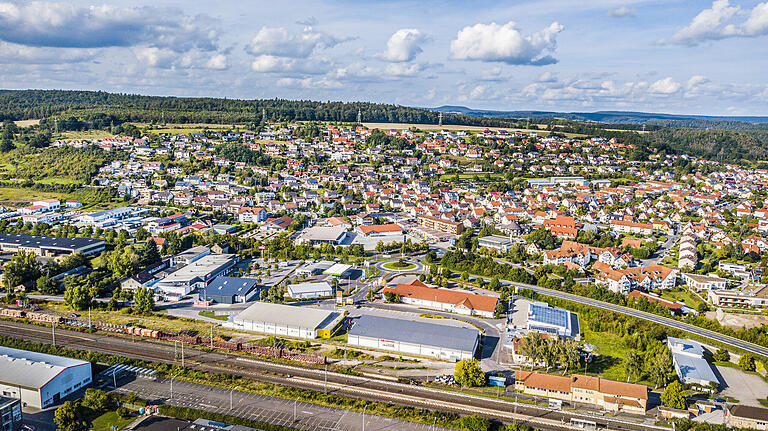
(380, 228)
(543, 381)
(419, 290)
(749, 412)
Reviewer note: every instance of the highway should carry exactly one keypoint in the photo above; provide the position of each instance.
(671, 323)
(306, 377)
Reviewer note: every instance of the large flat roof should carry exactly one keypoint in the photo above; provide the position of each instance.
(299, 317)
(308, 287)
(228, 286)
(32, 369)
(48, 242)
(199, 268)
(413, 332)
(337, 269)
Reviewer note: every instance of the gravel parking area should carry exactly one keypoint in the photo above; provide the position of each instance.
(747, 388)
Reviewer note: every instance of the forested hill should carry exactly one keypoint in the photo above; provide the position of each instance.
(92, 105)
(78, 110)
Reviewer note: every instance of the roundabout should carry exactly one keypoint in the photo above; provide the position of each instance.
(397, 266)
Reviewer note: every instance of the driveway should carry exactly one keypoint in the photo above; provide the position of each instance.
(747, 388)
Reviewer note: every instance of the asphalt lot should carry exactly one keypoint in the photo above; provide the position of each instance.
(262, 408)
(747, 388)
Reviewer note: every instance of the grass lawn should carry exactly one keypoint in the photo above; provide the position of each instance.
(24, 195)
(610, 363)
(211, 315)
(83, 135)
(399, 267)
(103, 422)
(684, 296)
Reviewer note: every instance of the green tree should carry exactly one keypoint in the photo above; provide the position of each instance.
(494, 284)
(673, 396)
(747, 362)
(660, 366)
(69, 417)
(47, 285)
(392, 297)
(77, 295)
(468, 373)
(633, 364)
(148, 253)
(144, 300)
(6, 139)
(98, 401)
(22, 268)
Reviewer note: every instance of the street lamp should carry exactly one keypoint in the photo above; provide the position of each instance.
(230, 396)
(174, 376)
(366, 406)
(295, 402)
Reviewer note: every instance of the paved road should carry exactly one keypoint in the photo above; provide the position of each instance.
(711, 335)
(262, 408)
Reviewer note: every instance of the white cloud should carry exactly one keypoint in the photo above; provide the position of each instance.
(696, 81)
(505, 43)
(11, 53)
(279, 42)
(66, 25)
(403, 45)
(217, 62)
(369, 73)
(706, 24)
(755, 25)
(711, 24)
(665, 86)
(309, 83)
(155, 57)
(621, 12)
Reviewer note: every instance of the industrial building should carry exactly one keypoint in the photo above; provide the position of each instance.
(323, 235)
(107, 217)
(690, 365)
(543, 318)
(288, 320)
(339, 270)
(495, 242)
(231, 290)
(190, 255)
(449, 343)
(49, 245)
(316, 268)
(10, 414)
(309, 290)
(197, 274)
(42, 379)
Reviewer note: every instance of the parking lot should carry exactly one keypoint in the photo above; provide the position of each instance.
(262, 408)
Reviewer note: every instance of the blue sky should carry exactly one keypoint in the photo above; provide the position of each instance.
(565, 55)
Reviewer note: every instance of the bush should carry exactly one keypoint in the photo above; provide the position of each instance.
(721, 355)
(475, 423)
(747, 362)
(123, 413)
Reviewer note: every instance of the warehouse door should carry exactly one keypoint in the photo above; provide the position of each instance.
(56, 397)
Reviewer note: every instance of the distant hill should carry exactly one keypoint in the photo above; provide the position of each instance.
(610, 117)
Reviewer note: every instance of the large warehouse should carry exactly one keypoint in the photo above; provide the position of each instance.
(197, 274)
(449, 343)
(279, 319)
(309, 290)
(49, 245)
(42, 379)
(230, 290)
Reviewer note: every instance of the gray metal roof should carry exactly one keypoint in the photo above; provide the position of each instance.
(228, 286)
(47, 242)
(297, 317)
(408, 331)
(32, 369)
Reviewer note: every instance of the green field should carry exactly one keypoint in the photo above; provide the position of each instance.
(685, 296)
(399, 267)
(211, 315)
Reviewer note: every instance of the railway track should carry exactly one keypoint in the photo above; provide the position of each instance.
(316, 379)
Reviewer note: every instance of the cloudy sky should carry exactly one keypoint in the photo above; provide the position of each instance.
(566, 55)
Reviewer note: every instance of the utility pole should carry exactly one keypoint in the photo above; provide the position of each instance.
(211, 335)
(294, 408)
(114, 379)
(172, 386)
(89, 318)
(182, 354)
(325, 384)
(230, 396)
(366, 406)
(53, 332)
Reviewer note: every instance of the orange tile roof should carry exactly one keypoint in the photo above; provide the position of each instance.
(419, 290)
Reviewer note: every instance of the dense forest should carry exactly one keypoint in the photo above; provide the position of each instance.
(81, 110)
